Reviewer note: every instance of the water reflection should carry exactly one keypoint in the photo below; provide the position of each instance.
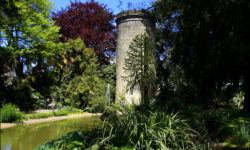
(27, 137)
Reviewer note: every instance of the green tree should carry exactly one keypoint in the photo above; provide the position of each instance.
(80, 85)
(29, 33)
(108, 74)
(140, 65)
(28, 42)
(209, 41)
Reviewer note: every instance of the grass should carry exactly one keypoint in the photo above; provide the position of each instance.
(61, 112)
(38, 115)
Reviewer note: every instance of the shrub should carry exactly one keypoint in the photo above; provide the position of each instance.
(147, 130)
(209, 123)
(98, 104)
(238, 99)
(26, 97)
(10, 113)
(72, 110)
(241, 134)
(61, 112)
(73, 140)
(175, 103)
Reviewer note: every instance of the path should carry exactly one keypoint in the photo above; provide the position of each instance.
(34, 121)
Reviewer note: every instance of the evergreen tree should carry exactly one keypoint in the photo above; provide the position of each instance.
(140, 66)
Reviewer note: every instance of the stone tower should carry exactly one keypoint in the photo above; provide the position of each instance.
(129, 23)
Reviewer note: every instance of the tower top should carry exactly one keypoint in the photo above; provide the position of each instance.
(131, 15)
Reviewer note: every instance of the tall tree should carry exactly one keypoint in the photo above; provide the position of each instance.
(29, 32)
(90, 21)
(210, 42)
(140, 66)
(80, 82)
(28, 39)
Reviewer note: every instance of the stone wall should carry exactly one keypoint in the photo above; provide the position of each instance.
(129, 24)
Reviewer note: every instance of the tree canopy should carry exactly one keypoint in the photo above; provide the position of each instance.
(90, 21)
(28, 42)
(209, 40)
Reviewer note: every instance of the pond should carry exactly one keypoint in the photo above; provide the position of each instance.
(27, 137)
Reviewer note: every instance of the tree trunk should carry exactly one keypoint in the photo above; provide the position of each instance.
(19, 68)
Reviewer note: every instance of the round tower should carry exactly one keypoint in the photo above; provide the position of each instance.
(129, 24)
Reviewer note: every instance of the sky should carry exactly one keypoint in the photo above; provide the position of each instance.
(113, 5)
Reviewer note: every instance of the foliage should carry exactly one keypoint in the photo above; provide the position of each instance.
(61, 112)
(72, 110)
(209, 124)
(147, 130)
(140, 65)
(38, 115)
(28, 45)
(98, 104)
(26, 97)
(238, 99)
(108, 74)
(77, 57)
(110, 111)
(123, 148)
(90, 21)
(202, 38)
(215, 125)
(241, 134)
(10, 113)
(84, 90)
(73, 140)
(80, 83)
(67, 110)
(175, 103)
(28, 31)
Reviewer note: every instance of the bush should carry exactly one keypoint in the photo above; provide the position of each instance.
(210, 124)
(175, 103)
(147, 130)
(10, 113)
(61, 112)
(98, 104)
(72, 110)
(241, 134)
(238, 100)
(26, 97)
(73, 140)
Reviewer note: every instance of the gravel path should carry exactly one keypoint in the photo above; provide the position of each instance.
(34, 121)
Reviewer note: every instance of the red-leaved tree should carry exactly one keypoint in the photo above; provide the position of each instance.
(90, 21)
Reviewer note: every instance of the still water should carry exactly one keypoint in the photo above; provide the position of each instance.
(27, 137)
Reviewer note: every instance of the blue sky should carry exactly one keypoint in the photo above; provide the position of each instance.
(114, 5)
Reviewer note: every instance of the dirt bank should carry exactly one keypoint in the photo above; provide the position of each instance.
(34, 121)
